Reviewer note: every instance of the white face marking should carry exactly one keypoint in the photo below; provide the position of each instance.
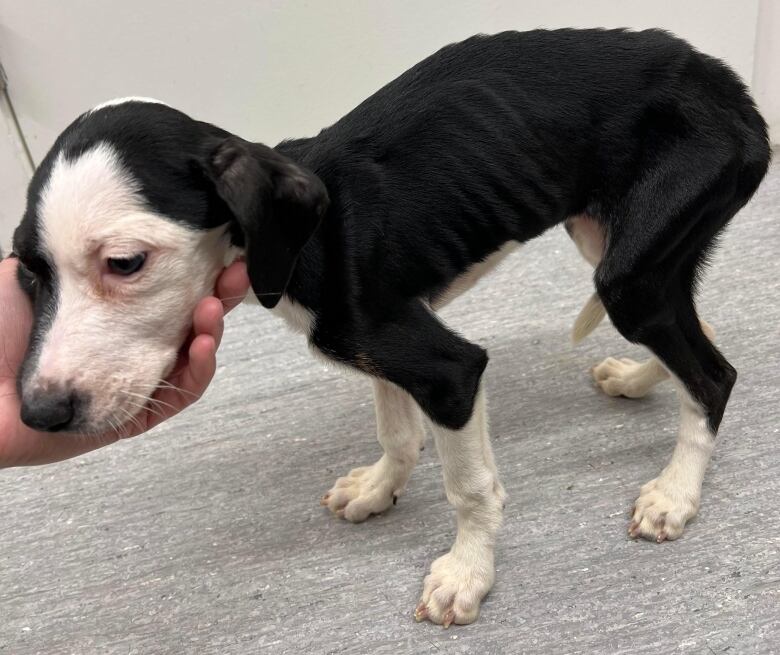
(113, 336)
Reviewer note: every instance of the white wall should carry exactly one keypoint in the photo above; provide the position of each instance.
(766, 72)
(15, 171)
(274, 69)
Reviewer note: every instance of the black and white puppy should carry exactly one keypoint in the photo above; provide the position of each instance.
(645, 147)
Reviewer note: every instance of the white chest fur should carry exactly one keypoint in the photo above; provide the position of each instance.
(298, 318)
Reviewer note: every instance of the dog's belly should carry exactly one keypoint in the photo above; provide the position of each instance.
(300, 319)
(475, 272)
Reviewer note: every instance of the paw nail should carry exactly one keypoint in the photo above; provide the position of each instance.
(340, 513)
(421, 612)
(662, 537)
(449, 617)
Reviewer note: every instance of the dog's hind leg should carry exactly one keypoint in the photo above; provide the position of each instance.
(372, 489)
(588, 236)
(628, 378)
(615, 377)
(631, 379)
(704, 380)
(659, 237)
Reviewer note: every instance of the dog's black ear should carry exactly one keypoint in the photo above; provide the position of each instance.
(276, 203)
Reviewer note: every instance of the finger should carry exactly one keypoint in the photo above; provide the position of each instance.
(203, 364)
(207, 319)
(15, 319)
(50, 448)
(232, 285)
(190, 383)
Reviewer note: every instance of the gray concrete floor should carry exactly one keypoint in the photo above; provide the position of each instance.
(206, 536)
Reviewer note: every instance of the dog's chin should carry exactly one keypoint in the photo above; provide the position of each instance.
(124, 412)
(120, 410)
(121, 420)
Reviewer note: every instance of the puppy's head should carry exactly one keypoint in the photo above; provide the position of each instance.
(129, 219)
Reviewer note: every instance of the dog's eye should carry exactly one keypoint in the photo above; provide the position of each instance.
(126, 265)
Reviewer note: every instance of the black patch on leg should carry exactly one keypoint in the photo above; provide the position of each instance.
(414, 350)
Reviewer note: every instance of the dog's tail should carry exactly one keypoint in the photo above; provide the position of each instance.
(590, 316)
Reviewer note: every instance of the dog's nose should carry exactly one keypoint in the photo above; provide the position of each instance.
(49, 411)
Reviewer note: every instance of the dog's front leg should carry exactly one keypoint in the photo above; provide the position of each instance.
(442, 372)
(372, 489)
(460, 579)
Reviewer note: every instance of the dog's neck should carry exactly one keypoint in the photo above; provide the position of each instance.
(306, 287)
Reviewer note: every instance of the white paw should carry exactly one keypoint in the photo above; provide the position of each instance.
(364, 491)
(622, 377)
(662, 510)
(454, 588)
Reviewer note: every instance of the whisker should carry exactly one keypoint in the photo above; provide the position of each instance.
(147, 399)
(118, 422)
(112, 424)
(227, 298)
(133, 419)
(252, 293)
(126, 429)
(121, 428)
(164, 384)
(162, 403)
(146, 408)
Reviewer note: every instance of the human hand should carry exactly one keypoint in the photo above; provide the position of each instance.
(21, 445)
